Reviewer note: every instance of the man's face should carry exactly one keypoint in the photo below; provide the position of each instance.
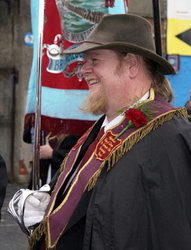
(101, 70)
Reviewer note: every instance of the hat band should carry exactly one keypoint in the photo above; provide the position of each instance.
(94, 42)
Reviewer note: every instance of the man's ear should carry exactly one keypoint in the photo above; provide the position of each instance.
(133, 63)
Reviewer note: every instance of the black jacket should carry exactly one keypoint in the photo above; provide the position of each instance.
(143, 202)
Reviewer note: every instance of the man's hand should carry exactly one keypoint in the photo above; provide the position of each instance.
(28, 207)
(35, 206)
(46, 151)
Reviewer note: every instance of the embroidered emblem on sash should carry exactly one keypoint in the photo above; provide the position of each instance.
(106, 145)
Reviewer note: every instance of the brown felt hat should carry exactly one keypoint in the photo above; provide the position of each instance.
(127, 33)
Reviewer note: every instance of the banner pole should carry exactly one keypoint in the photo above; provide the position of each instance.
(157, 26)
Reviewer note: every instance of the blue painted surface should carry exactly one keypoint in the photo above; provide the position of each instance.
(181, 82)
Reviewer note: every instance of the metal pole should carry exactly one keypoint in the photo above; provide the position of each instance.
(157, 27)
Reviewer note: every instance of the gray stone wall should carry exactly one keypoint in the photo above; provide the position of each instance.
(15, 64)
(23, 152)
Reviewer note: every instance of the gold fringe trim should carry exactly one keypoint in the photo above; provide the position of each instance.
(92, 181)
(132, 140)
(37, 234)
(185, 113)
(63, 164)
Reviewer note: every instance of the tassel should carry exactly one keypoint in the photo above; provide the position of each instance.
(37, 234)
(109, 3)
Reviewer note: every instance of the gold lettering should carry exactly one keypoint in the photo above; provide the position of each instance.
(99, 154)
(102, 150)
(105, 146)
(112, 139)
(109, 143)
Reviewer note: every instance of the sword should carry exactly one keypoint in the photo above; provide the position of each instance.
(37, 128)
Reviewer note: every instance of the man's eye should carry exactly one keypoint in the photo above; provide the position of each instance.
(94, 60)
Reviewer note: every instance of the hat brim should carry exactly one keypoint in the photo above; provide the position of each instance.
(163, 65)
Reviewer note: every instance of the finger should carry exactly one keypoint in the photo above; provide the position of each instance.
(47, 138)
(32, 201)
(41, 196)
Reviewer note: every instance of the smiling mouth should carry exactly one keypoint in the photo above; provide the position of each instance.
(91, 81)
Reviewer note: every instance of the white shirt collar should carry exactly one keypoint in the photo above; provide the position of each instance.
(107, 125)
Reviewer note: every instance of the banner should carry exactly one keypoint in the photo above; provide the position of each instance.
(67, 24)
(179, 27)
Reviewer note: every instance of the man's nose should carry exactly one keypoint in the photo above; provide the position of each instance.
(86, 68)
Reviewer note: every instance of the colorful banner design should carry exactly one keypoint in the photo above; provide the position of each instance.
(67, 24)
(179, 27)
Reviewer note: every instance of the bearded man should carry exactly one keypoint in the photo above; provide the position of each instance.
(126, 184)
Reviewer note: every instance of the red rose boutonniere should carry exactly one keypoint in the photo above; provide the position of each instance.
(137, 117)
